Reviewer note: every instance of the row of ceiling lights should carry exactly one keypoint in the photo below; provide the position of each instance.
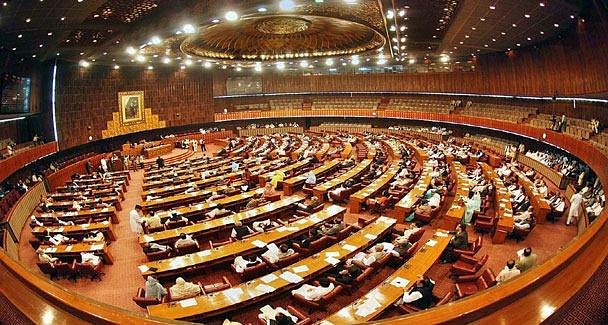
(504, 33)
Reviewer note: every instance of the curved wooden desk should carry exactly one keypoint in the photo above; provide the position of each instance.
(529, 298)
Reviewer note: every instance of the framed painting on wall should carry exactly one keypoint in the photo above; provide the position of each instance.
(131, 105)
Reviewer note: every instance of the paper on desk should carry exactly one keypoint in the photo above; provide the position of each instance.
(368, 307)
(204, 253)
(143, 268)
(68, 248)
(269, 278)
(293, 229)
(233, 293)
(441, 234)
(148, 238)
(265, 288)
(332, 260)
(228, 220)
(50, 249)
(97, 247)
(400, 282)
(302, 221)
(332, 254)
(370, 236)
(521, 252)
(349, 247)
(431, 242)
(188, 302)
(258, 243)
(282, 229)
(291, 277)
(315, 219)
(300, 269)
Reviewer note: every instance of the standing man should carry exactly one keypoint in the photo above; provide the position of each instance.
(136, 219)
(203, 146)
(575, 207)
(160, 162)
(88, 167)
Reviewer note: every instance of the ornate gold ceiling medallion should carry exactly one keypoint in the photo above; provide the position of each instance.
(282, 25)
(262, 38)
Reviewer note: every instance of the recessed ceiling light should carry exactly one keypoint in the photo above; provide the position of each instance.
(207, 64)
(27, 20)
(482, 19)
(96, 16)
(155, 40)
(572, 16)
(286, 5)
(84, 63)
(116, 67)
(280, 65)
(231, 15)
(188, 29)
(503, 33)
(14, 49)
(166, 60)
(215, 21)
(492, 7)
(188, 61)
(390, 14)
(150, 67)
(62, 18)
(303, 63)
(49, 33)
(529, 38)
(402, 28)
(41, 45)
(329, 62)
(401, 13)
(542, 4)
(556, 25)
(262, 9)
(514, 25)
(527, 16)
(542, 33)
(33, 55)
(20, 36)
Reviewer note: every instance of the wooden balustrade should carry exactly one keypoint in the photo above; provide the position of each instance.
(23, 158)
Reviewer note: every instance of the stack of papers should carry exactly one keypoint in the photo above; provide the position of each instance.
(400, 282)
(291, 277)
(349, 247)
(441, 234)
(258, 243)
(368, 307)
(269, 278)
(143, 268)
(370, 236)
(97, 247)
(204, 253)
(332, 260)
(300, 269)
(332, 254)
(233, 294)
(264, 288)
(431, 243)
(188, 302)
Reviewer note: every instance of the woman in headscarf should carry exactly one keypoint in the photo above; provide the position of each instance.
(183, 290)
(154, 289)
(279, 176)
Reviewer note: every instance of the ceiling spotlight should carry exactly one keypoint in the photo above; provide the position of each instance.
(131, 50)
(492, 7)
(355, 61)
(390, 14)
(556, 25)
(303, 63)
(280, 65)
(84, 63)
(527, 16)
(188, 29)
(140, 58)
(116, 67)
(207, 64)
(155, 40)
(444, 58)
(542, 4)
(166, 60)
(27, 20)
(393, 28)
(238, 69)
(231, 15)
(411, 61)
(401, 13)
(286, 5)
(402, 28)
(262, 9)
(150, 67)
(20, 36)
(188, 62)
(49, 33)
(215, 21)
(403, 39)
(329, 62)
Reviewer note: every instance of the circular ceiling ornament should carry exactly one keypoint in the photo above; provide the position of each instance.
(282, 25)
(261, 38)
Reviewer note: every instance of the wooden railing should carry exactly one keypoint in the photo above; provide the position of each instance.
(12, 164)
(530, 298)
(19, 215)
